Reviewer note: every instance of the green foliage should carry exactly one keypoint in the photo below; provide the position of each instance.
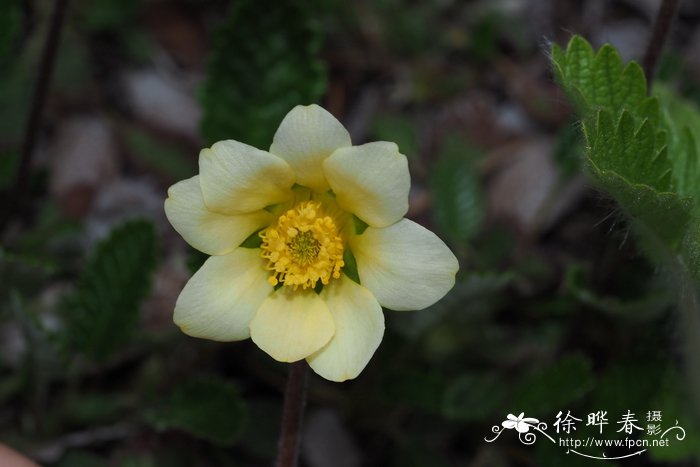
(92, 408)
(415, 453)
(550, 455)
(598, 80)
(640, 149)
(480, 290)
(10, 26)
(644, 152)
(138, 460)
(207, 408)
(398, 129)
(673, 402)
(168, 159)
(116, 20)
(195, 260)
(475, 396)
(407, 30)
(106, 15)
(556, 386)
(264, 62)
(644, 308)
(16, 83)
(8, 168)
(101, 314)
(81, 459)
(456, 187)
(568, 150)
(415, 387)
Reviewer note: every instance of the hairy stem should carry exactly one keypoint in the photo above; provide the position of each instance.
(46, 66)
(662, 25)
(292, 415)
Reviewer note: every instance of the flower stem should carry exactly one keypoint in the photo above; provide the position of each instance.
(662, 25)
(292, 415)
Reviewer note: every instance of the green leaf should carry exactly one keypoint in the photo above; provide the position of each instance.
(642, 150)
(631, 151)
(681, 122)
(102, 313)
(455, 185)
(598, 80)
(556, 386)
(208, 408)
(644, 308)
(664, 216)
(264, 62)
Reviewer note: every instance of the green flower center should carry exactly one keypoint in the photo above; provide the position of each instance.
(304, 247)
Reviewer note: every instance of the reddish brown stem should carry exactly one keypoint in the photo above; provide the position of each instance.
(662, 26)
(292, 415)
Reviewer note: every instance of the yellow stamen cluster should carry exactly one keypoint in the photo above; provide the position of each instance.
(303, 247)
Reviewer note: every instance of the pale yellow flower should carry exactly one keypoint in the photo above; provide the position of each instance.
(301, 201)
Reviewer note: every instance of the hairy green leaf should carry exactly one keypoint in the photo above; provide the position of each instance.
(598, 80)
(101, 314)
(642, 150)
(264, 62)
(455, 185)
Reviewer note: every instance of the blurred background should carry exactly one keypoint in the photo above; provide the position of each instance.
(554, 308)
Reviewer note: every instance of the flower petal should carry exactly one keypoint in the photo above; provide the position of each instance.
(405, 265)
(221, 298)
(237, 178)
(209, 232)
(509, 424)
(291, 325)
(371, 181)
(359, 328)
(306, 136)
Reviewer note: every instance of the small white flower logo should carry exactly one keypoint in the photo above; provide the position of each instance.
(521, 424)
